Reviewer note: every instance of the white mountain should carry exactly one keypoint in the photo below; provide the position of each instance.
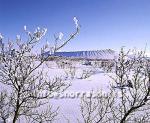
(94, 54)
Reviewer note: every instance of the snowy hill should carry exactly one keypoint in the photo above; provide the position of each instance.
(95, 54)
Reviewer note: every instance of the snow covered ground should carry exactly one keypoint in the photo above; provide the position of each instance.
(70, 106)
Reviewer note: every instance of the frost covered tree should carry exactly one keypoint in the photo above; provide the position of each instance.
(128, 99)
(24, 87)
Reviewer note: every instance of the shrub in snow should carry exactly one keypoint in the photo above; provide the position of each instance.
(62, 64)
(70, 72)
(86, 73)
(129, 101)
(28, 87)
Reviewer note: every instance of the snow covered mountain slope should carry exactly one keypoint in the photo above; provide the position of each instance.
(94, 54)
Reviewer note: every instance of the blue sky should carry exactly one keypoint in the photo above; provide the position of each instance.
(105, 23)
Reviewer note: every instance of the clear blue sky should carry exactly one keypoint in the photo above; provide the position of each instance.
(105, 23)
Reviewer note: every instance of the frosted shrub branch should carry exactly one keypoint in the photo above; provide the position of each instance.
(28, 88)
(129, 89)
